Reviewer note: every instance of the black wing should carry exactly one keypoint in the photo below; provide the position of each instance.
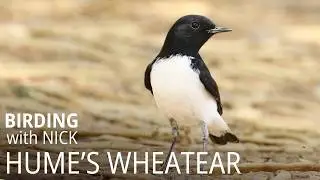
(147, 82)
(208, 82)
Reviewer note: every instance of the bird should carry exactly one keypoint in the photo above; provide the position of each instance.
(182, 85)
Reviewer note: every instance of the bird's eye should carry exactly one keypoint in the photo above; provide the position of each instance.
(195, 25)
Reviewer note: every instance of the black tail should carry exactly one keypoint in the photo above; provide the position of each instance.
(224, 138)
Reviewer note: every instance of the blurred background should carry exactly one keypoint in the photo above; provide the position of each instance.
(89, 56)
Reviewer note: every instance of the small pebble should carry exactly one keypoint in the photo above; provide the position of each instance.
(282, 175)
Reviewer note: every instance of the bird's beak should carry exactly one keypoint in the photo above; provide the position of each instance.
(218, 29)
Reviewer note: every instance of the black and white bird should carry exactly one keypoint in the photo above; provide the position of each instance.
(182, 85)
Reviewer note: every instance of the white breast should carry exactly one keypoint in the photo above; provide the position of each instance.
(178, 91)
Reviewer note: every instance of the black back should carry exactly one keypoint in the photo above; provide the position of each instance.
(208, 82)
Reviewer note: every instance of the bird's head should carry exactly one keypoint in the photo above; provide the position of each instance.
(189, 33)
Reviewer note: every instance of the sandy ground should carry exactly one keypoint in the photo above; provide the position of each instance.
(89, 57)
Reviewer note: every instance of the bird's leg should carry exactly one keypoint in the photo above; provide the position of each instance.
(205, 137)
(175, 133)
